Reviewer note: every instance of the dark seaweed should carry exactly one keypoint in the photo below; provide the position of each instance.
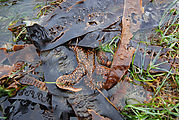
(75, 20)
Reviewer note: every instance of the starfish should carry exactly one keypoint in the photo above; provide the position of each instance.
(86, 66)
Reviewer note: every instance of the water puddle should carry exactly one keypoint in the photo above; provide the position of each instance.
(12, 11)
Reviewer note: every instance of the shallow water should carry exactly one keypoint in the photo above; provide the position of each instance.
(22, 9)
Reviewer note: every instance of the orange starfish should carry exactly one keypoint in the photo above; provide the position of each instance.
(86, 66)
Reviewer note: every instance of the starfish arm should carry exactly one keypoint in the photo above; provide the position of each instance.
(67, 81)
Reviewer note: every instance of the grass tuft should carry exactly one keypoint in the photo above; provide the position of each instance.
(164, 104)
(110, 46)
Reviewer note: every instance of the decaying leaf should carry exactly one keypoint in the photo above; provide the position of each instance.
(9, 71)
(124, 53)
(16, 26)
(18, 47)
(3, 54)
(10, 75)
(7, 77)
(28, 54)
(14, 85)
(96, 116)
(5, 70)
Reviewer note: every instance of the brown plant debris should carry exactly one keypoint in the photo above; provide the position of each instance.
(96, 116)
(28, 54)
(3, 54)
(124, 53)
(18, 47)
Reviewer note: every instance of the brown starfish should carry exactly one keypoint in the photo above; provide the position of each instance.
(86, 66)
